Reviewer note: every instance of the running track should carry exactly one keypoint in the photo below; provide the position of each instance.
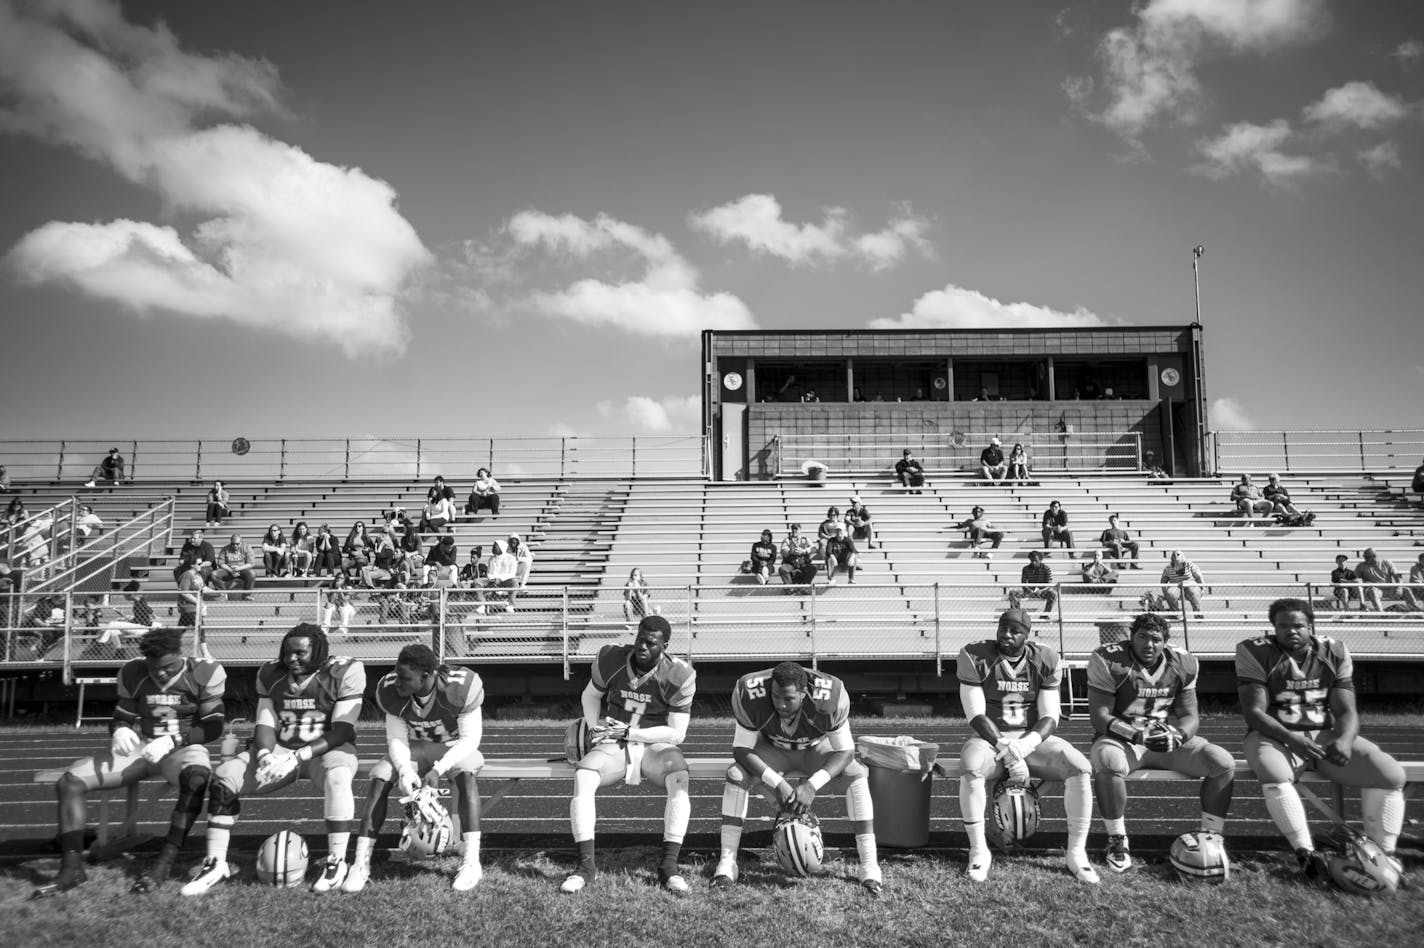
(535, 814)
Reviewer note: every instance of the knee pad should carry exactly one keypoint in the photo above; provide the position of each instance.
(737, 776)
(1221, 762)
(676, 782)
(586, 782)
(223, 801)
(193, 779)
(340, 802)
(69, 783)
(383, 771)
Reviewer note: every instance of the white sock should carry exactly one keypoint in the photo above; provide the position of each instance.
(1283, 803)
(678, 809)
(972, 796)
(1213, 824)
(583, 811)
(219, 832)
(1382, 813)
(336, 844)
(472, 848)
(869, 858)
(1078, 806)
(364, 846)
(1115, 827)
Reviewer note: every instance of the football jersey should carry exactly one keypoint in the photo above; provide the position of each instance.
(1141, 695)
(170, 709)
(304, 708)
(646, 700)
(436, 717)
(1010, 687)
(825, 709)
(1298, 691)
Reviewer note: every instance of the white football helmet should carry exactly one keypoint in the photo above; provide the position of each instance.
(796, 840)
(1359, 866)
(423, 838)
(576, 741)
(1200, 857)
(282, 860)
(1015, 811)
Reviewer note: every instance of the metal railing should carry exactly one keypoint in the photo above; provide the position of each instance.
(31, 542)
(1326, 451)
(142, 535)
(957, 452)
(282, 459)
(565, 626)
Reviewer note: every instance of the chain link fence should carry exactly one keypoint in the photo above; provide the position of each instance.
(743, 621)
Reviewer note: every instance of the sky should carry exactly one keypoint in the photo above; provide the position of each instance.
(357, 218)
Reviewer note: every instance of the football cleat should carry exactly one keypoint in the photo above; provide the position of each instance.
(333, 875)
(211, 872)
(872, 887)
(69, 877)
(468, 877)
(1082, 869)
(978, 868)
(573, 884)
(674, 883)
(725, 875)
(151, 880)
(1116, 854)
(357, 876)
(1312, 864)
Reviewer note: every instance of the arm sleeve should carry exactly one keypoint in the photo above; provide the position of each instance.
(592, 700)
(1050, 704)
(840, 739)
(744, 737)
(972, 698)
(673, 732)
(471, 725)
(397, 742)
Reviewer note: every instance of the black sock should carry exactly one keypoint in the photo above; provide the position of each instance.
(71, 841)
(586, 867)
(671, 850)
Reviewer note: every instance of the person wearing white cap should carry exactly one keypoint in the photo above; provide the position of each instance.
(858, 522)
(840, 552)
(992, 465)
(524, 556)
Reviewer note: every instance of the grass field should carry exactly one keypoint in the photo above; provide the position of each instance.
(1030, 900)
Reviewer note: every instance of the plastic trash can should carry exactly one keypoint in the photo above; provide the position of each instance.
(901, 782)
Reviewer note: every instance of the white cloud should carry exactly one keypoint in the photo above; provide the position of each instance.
(1409, 53)
(1357, 105)
(666, 301)
(1226, 414)
(281, 241)
(1150, 67)
(653, 414)
(756, 220)
(1381, 159)
(1244, 147)
(955, 307)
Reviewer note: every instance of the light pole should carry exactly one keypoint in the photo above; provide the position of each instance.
(1197, 251)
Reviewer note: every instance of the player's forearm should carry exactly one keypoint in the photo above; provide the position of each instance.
(836, 764)
(985, 728)
(661, 734)
(264, 737)
(592, 701)
(397, 742)
(208, 728)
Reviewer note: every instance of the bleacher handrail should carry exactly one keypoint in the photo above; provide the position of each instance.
(1321, 451)
(336, 459)
(958, 451)
(141, 534)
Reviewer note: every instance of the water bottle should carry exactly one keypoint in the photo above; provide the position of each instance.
(229, 744)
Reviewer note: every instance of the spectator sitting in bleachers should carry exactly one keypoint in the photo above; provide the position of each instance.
(637, 598)
(32, 551)
(382, 570)
(193, 588)
(436, 514)
(484, 495)
(411, 561)
(992, 465)
(859, 523)
(15, 512)
(218, 505)
(474, 570)
(197, 550)
(1182, 574)
(442, 560)
(909, 472)
(356, 551)
(762, 561)
(110, 470)
(1018, 464)
(5, 487)
(327, 550)
(302, 549)
(439, 490)
(89, 525)
(338, 606)
(140, 619)
(1098, 574)
(523, 555)
(42, 625)
(1346, 584)
(840, 553)
(797, 567)
(235, 566)
(1055, 527)
(1280, 500)
(1248, 500)
(1381, 579)
(826, 530)
(1415, 593)
(1417, 484)
(503, 573)
(1037, 583)
(275, 551)
(981, 528)
(1119, 542)
(1152, 469)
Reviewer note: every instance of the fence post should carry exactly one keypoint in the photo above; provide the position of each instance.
(282, 462)
(347, 474)
(417, 458)
(815, 656)
(690, 633)
(939, 652)
(1058, 588)
(198, 462)
(133, 455)
(1310, 595)
(564, 631)
(1361, 435)
(67, 675)
(1182, 606)
(563, 455)
(440, 618)
(59, 471)
(635, 456)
